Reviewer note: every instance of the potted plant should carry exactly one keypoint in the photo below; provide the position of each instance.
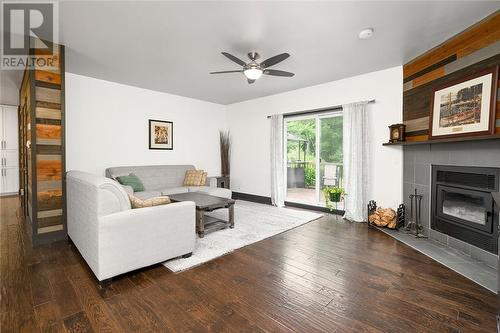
(333, 194)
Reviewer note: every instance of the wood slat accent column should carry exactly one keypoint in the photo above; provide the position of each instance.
(468, 52)
(42, 98)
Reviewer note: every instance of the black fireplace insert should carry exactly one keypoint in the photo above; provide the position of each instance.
(462, 205)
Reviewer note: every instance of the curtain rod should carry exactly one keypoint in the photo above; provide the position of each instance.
(320, 110)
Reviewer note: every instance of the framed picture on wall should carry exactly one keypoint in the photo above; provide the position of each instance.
(161, 135)
(465, 107)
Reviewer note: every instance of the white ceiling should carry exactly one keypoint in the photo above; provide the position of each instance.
(171, 46)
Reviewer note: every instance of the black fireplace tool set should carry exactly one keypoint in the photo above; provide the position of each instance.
(414, 226)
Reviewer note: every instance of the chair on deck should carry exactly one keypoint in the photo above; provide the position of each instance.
(330, 178)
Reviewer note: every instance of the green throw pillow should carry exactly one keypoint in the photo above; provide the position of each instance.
(132, 181)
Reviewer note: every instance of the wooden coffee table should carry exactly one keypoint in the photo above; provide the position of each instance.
(207, 203)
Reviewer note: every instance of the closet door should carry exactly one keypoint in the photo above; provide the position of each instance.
(10, 158)
(11, 180)
(2, 129)
(3, 183)
(10, 135)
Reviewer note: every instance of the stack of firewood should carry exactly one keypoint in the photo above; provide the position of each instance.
(383, 217)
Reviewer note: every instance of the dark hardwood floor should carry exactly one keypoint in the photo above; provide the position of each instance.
(326, 276)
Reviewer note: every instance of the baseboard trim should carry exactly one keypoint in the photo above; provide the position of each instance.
(312, 207)
(252, 198)
(267, 200)
(9, 195)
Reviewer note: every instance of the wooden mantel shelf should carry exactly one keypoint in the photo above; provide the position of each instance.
(463, 139)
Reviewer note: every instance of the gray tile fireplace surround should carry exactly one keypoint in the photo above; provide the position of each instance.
(417, 175)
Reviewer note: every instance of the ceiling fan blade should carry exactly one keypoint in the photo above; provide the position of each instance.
(233, 58)
(276, 72)
(274, 60)
(250, 81)
(223, 72)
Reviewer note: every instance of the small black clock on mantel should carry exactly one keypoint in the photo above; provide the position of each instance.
(397, 133)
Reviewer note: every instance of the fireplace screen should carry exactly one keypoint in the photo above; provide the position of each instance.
(465, 206)
(462, 205)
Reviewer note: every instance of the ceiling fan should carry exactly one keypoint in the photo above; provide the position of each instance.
(254, 70)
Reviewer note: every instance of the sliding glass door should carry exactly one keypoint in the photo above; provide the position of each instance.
(330, 154)
(301, 135)
(313, 156)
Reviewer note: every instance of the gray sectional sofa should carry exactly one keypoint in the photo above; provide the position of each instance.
(165, 180)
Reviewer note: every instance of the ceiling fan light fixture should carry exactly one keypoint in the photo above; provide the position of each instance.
(254, 70)
(253, 73)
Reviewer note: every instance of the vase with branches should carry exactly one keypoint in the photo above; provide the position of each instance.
(225, 150)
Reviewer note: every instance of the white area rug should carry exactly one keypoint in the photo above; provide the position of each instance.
(253, 222)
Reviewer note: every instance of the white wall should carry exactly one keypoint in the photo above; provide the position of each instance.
(250, 169)
(107, 125)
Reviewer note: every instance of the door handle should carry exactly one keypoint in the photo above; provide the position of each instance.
(487, 216)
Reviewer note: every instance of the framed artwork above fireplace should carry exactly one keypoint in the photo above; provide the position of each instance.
(465, 107)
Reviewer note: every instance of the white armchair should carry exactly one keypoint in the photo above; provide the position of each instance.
(115, 239)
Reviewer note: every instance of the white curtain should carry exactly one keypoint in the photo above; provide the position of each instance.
(355, 144)
(277, 168)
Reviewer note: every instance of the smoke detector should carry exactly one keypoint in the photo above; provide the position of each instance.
(366, 33)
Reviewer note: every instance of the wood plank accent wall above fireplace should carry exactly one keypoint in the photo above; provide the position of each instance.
(467, 53)
(42, 158)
